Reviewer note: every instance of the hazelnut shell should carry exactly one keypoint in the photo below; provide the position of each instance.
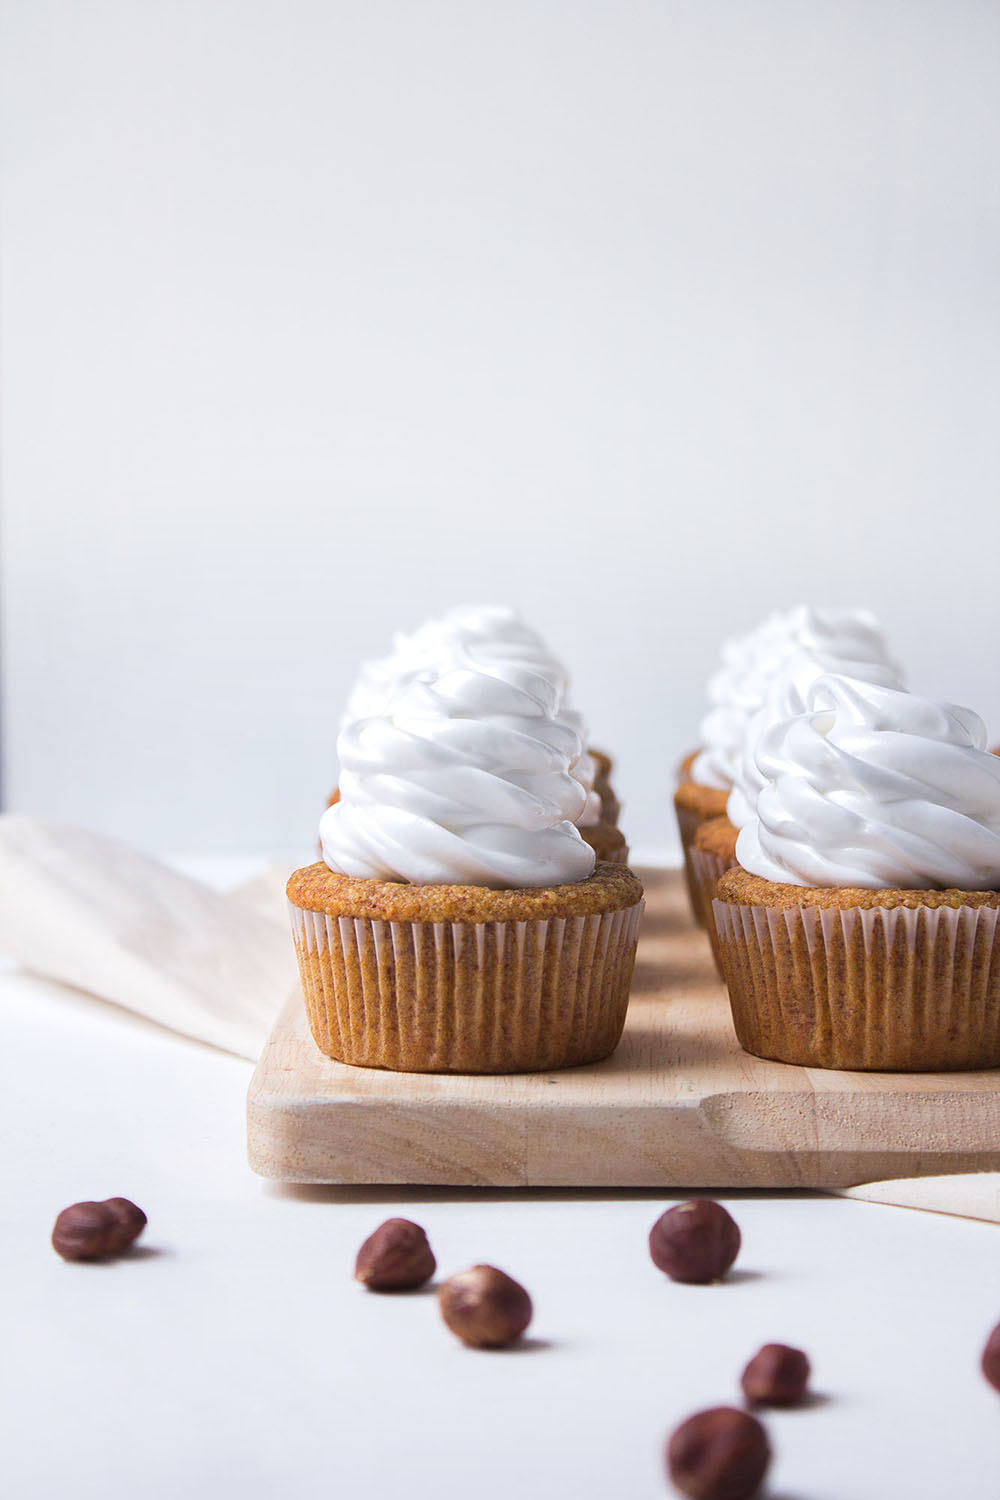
(695, 1242)
(484, 1307)
(395, 1258)
(93, 1231)
(991, 1358)
(719, 1454)
(776, 1376)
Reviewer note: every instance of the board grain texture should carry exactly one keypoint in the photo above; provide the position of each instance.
(679, 1104)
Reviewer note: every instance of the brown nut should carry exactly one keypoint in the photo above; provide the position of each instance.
(396, 1258)
(484, 1307)
(991, 1358)
(130, 1219)
(695, 1242)
(776, 1376)
(91, 1231)
(720, 1454)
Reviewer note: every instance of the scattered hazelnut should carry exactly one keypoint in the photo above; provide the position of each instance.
(130, 1219)
(721, 1454)
(695, 1242)
(991, 1358)
(396, 1258)
(484, 1307)
(776, 1376)
(91, 1231)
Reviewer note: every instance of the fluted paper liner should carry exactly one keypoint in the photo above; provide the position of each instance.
(695, 804)
(688, 823)
(871, 988)
(467, 997)
(707, 869)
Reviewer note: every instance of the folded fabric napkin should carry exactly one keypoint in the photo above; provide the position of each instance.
(94, 913)
(970, 1195)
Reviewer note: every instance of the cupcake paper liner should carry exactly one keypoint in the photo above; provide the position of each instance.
(896, 989)
(688, 823)
(707, 870)
(467, 997)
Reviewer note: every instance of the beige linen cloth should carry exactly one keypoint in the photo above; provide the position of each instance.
(96, 914)
(103, 917)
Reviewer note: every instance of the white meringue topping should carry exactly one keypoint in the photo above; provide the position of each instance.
(738, 690)
(464, 780)
(877, 788)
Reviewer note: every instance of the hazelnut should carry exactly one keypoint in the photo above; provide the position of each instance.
(721, 1454)
(776, 1376)
(484, 1307)
(396, 1258)
(991, 1358)
(695, 1242)
(130, 1219)
(91, 1231)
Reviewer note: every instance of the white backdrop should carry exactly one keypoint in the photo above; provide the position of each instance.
(320, 316)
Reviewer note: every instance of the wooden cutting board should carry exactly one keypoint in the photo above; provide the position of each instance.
(678, 1105)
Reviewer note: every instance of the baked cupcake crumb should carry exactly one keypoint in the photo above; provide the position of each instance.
(316, 888)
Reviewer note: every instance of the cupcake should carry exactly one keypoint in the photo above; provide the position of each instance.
(611, 808)
(834, 639)
(606, 840)
(682, 772)
(860, 928)
(849, 644)
(735, 692)
(458, 922)
(598, 823)
(695, 804)
(712, 854)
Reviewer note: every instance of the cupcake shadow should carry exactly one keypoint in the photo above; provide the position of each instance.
(651, 1049)
(659, 979)
(666, 923)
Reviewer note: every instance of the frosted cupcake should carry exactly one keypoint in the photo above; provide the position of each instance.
(836, 639)
(458, 922)
(483, 637)
(861, 929)
(829, 642)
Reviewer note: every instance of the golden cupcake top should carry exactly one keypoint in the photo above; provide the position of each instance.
(738, 887)
(717, 836)
(318, 888)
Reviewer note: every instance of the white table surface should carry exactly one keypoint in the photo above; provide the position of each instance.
(235, 1356)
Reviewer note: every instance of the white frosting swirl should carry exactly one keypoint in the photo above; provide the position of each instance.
(584, 770)
(739, 688)
(464, 781)
(877, 788)
(785, 697)
(476, 637)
